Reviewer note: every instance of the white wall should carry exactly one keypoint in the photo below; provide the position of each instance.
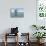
(23, 23)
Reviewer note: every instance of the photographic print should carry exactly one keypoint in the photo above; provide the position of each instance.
(18, 12)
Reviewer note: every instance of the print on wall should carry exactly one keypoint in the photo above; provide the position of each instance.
(18, 12)
(41, 8)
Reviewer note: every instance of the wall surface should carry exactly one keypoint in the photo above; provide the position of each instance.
(24, 24)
